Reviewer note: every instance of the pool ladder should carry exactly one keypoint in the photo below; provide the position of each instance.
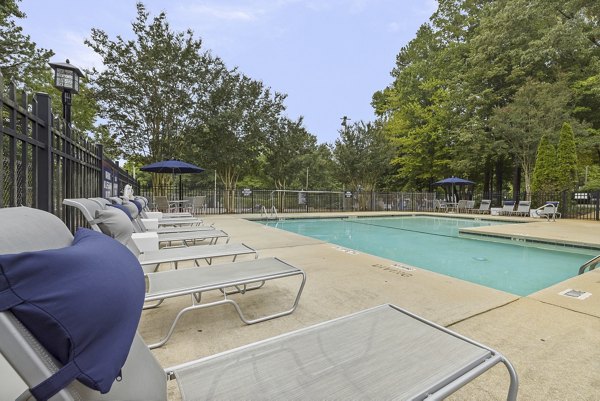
(590, 265)
(269, 216)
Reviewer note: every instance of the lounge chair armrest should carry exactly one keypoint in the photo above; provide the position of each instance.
(150, 224)
(154, 215)
(145, 242)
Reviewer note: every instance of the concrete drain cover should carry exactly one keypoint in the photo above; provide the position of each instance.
(581, 295)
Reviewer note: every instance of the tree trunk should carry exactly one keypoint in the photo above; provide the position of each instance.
(517, 183)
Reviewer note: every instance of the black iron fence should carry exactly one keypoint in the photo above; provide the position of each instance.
(573, 205)
(43, 160)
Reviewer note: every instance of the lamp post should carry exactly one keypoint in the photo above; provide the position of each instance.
(66, 79)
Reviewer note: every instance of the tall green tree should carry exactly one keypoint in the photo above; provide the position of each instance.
(232, 127)
(567, 159)
(286, 151)
(362, 154)
(20, 58)
(537, 109)
(545, 173)
(150, 86)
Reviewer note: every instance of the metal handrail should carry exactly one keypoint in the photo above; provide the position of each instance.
(591, 264)
(271, 215)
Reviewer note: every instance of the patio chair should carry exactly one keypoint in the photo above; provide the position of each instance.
(440, 205)
(484, 207)
(523, 208)
(470, 206)
(461, 206)
(146, 208)
(198, 204)
(549, 210)
(118, 226)
(357, 355)
(161, 203)
(508, 208)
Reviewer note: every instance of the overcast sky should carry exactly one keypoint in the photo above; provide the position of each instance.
(329, 56)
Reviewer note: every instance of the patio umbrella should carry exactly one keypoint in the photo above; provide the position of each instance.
(172, 166)
(452, 181)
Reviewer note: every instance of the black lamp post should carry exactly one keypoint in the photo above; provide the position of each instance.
(66, 79)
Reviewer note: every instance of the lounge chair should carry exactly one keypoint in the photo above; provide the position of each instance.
(232, 278)
(187, 236)
(165, 220)
(356, 356)
(121, 229)
(508, 208)
(484, 207)
(470, 206)
(549, 210)
(523, 208)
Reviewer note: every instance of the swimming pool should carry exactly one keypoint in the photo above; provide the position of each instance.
(433, 243)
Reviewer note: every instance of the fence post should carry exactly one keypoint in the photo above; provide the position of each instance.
(44, 155)
(100, 155)
(597, 196)
(565, 207)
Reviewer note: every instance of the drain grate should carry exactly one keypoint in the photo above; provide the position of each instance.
(581, 295)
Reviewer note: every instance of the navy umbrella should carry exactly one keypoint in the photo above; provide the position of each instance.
(452, 181)
(172, 166)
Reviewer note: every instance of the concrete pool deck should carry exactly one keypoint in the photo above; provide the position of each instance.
(552, 340)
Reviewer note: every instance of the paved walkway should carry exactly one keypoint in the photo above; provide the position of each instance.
(552, 340)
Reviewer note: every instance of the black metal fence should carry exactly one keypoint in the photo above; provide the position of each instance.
(573, 205)
(43, 160)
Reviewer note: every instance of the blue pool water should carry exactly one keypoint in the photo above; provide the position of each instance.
(433, 243)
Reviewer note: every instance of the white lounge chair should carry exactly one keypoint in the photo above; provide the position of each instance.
(508, 208)
(523, 208)
(186, 235)
(166, 219)
(232, 278)
(357, 356)
(484, 207)
(121, 229)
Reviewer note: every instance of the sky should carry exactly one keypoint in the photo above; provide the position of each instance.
(328, 56)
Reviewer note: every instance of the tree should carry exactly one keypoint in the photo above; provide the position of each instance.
(413, 114)
(362, 154)
(20, 59)
(231, 128)
(545, 173)
(567, 159)
(150, 86)
(537, 109)
(285, 152)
